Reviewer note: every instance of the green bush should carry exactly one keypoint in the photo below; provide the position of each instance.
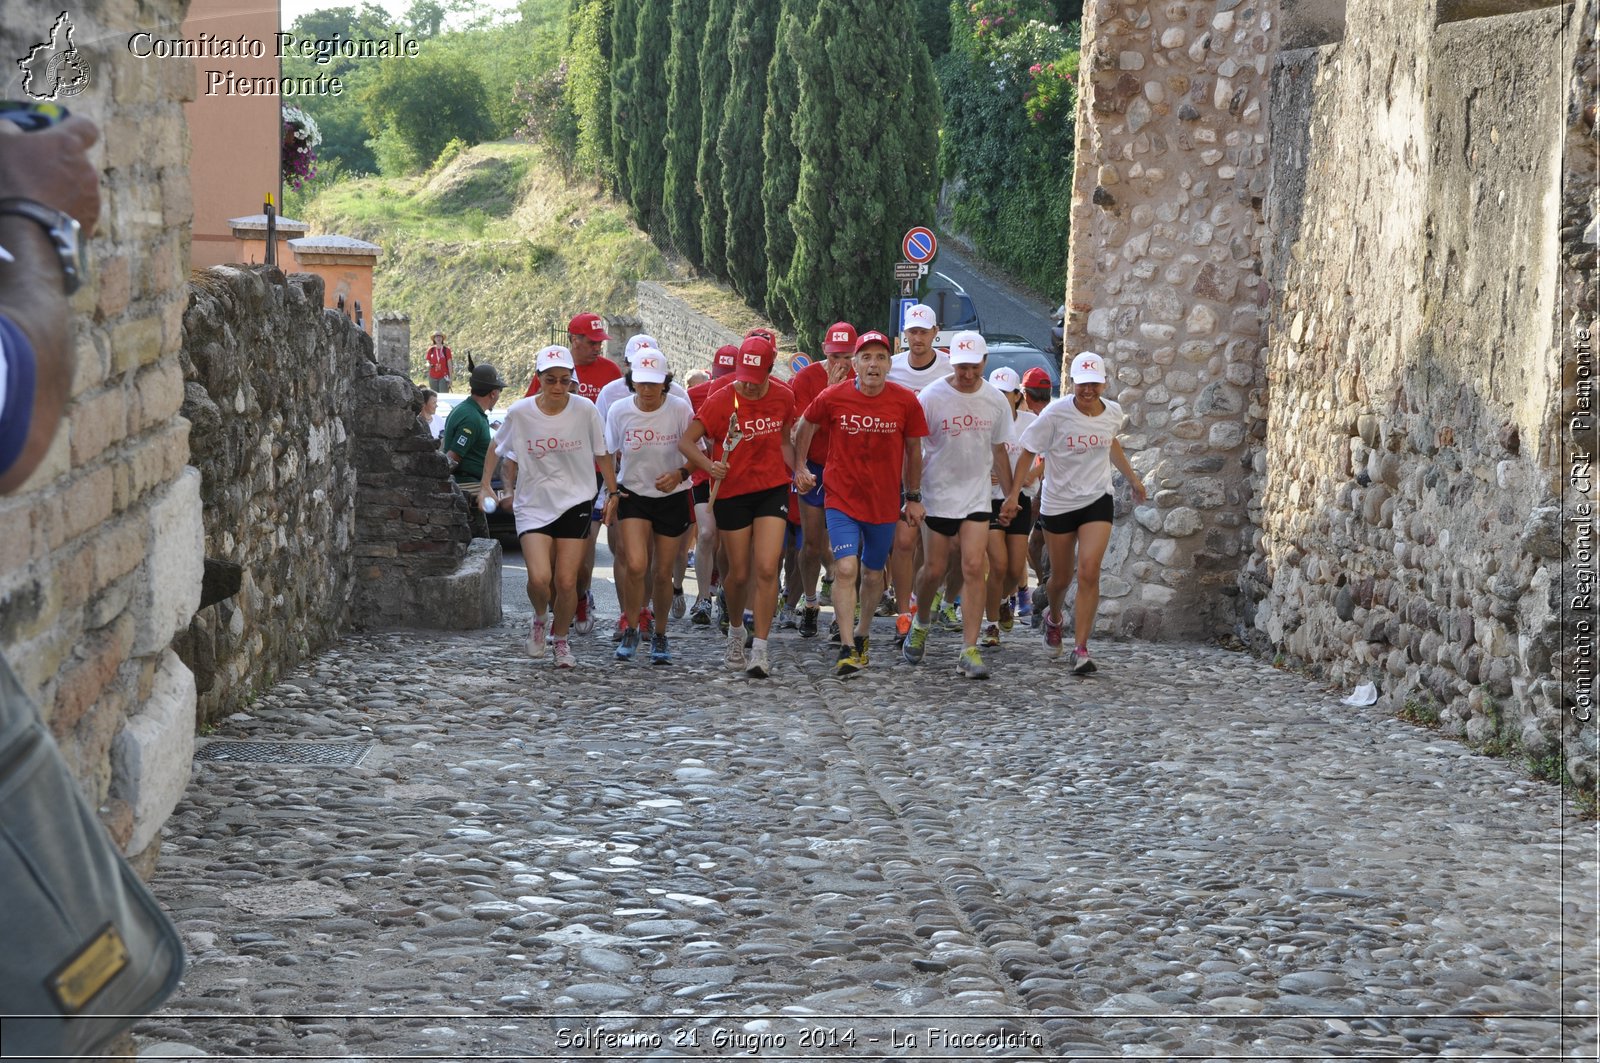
(1008, 84)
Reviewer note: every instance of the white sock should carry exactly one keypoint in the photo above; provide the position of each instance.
(759, 646)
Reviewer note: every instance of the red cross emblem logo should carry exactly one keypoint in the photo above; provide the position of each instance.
(1086, 364)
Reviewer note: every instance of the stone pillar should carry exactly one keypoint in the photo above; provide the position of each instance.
(394, 341)
(1165, 281)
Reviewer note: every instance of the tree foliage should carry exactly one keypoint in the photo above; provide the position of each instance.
(589, 86)
(715, 72)
(424, 103)
(624, 27)
(1009, 89)
(858, 190)
(644, 137)
(781, 173)
(679, 203)
(739, 146)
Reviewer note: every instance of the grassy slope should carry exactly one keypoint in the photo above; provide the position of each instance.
(495, 249)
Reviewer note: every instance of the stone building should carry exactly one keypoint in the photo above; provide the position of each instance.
(1337, 255)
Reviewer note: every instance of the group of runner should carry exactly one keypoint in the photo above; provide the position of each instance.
(867, 468)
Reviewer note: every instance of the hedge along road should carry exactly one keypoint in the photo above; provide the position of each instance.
(1002, 306)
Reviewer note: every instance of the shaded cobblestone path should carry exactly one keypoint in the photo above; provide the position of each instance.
(1190, 854)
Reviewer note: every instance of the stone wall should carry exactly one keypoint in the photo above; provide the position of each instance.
(393, 335)
(320, 483)
(268, 394)
(1411, 482)
(100, 553)
(1164, 281)
(688, 337)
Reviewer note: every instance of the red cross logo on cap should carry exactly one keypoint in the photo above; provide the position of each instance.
(840, 337)
(752, 358)
(1087, 363)
(965, 345)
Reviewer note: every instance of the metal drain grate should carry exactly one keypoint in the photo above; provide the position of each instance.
(334, 754)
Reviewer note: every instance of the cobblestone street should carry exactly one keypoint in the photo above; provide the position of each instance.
(1189, 854)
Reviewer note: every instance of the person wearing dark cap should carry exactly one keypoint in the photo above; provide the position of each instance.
(723, 363)
(466, 438)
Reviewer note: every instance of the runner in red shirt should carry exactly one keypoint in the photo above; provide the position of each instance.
(876, 448)
(751, 422)
(591, 371)
(705, 525)
(839, 347)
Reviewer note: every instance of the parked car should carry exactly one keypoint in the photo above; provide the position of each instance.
(502, 523)
(953, 306)
(1006, 349)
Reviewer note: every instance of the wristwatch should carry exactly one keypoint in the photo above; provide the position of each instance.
(63, 230)
(913, 496)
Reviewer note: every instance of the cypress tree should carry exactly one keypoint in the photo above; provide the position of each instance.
(739, 145)
(679, 203)
(624, 23)
(589, 84)
(782, 162)
(866, 151)
(715, 70)
(645, 129)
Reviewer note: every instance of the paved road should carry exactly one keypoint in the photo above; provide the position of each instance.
(1188, 854)
(1001, 306)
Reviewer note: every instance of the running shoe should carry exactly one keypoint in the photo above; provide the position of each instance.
(758, 667)
(564, 655)
(1024, 604)
(700, 615)
(583, 619)
(679, 606)
(808, 621)
(659, 652)
(734, 658)
(971, 664)
(619, 630)
(787, 621)
(916, 644)
(949, 617)
(833, 632)
(846, 664)
(902, 625)
(691, 557)
(991, 635)
(722, 613)
(629, 643)
(886, 605)
(1082, 664)
(862, 642)
(826, 595)
(1052, 635)
(536, 637)
(1041, 602)
(1007, 617)
(647, 619)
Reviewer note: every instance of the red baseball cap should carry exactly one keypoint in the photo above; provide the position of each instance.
(841, 336)
(1036, 378)
(765, 333)
(725, 361)
(873, 336)
(590, 326)
(755, 360)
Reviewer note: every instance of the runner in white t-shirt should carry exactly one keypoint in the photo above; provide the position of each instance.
(1077, 437)
(1008, 542)
(655, 510)
(919, 365)
(559, 441)
(969, 424)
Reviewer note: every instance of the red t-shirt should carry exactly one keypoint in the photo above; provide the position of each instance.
(591, 378)
(808, 384)
(438, 362)
(757, 462)
(867, 451)
(697, 399)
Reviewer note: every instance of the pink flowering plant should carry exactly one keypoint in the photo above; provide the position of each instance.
(297, 156)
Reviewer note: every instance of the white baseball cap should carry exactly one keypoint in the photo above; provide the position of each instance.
(636, 342)
(1006, 379)
(967, 348)
(920, 316)
(649, 366)
(554, 356)
(1088, 368)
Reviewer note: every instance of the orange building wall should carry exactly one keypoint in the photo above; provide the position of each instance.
(346, 275)
(233, 163)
